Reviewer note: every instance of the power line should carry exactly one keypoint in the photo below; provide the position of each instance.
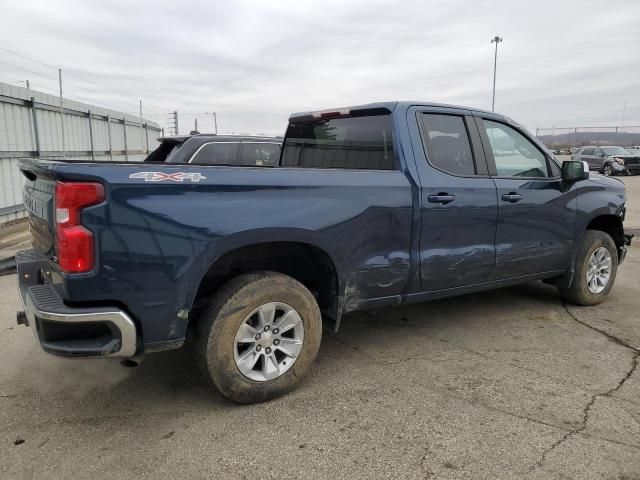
(66, 72)
(72, 96)
(13, 79)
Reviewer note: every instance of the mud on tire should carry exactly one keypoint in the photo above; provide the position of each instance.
(579, 292)
(231, 306)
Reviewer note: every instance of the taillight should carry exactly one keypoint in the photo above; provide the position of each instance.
(75, 244)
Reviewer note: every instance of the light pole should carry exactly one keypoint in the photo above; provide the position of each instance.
(215, 121)
(495, 40)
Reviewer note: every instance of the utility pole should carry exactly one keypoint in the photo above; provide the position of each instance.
(61, 110)
(215, 121)
(495, 40)
(624, 107)
(173, 122)
(141, 128)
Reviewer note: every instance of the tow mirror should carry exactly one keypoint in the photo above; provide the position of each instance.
(574, 170)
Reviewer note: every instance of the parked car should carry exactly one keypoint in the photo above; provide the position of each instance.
(374, 205)
(609, 160)
(208, 149)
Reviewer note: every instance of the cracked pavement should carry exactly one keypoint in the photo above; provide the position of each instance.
(497, 385)
(503, 384)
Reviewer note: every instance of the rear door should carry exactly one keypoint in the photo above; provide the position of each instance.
(587, 156)
(536, 210)
(254, 153)
(598, 158)
(458, 200)
(216, 153)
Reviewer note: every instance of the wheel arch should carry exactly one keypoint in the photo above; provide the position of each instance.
(610, 224)
(601, 220)
(295, 254)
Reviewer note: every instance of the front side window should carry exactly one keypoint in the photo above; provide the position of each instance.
(348, 142)
(447, 143)
(259, 154)
(514, 154)
(218, 153)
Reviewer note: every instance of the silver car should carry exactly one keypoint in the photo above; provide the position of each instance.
(609, 160)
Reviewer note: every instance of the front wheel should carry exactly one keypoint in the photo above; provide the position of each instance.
(595, 272)
(608, 170)
(259, 337)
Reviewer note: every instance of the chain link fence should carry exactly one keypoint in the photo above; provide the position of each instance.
(570, 137)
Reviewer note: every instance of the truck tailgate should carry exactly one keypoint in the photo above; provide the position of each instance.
(38, 197)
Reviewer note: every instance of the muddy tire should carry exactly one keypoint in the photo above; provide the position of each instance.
(239, 328)
(595, 270)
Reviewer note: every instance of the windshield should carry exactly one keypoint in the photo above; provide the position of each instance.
(615, 151)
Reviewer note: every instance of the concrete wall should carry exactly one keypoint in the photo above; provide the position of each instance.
(33, 129)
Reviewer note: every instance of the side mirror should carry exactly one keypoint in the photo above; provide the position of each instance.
(574, 171)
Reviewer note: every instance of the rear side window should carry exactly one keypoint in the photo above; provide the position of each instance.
(447, 144)
(351, 142)
(259, 154)
(587, 151)
(218, 153)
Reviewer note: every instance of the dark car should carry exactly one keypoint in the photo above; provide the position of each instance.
(609, 160)
(208, 149)
(369, 206)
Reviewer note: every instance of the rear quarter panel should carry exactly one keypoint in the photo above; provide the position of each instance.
(156, 240)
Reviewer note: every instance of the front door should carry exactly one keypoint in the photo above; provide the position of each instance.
(458, 201)
(588, 156)
(536, 209)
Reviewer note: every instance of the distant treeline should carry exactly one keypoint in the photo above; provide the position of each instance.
(576, 139)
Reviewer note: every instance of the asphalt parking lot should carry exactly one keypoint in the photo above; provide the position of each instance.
(504, 384)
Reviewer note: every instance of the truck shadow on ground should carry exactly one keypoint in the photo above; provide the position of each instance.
(173, 380)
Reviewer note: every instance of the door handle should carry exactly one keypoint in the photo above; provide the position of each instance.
(442, 198)
(512, 197)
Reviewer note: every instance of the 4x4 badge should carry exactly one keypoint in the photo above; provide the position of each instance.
(174, 177)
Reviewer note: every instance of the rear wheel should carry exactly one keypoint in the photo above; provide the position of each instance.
(596, 268)
(259, 337)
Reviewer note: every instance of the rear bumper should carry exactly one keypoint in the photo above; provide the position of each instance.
(70, 331)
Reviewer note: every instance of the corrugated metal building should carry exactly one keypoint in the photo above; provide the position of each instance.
(31, 127)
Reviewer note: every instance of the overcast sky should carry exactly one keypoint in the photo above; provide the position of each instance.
(562, 63)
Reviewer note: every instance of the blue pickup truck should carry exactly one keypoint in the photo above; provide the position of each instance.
(369, 206)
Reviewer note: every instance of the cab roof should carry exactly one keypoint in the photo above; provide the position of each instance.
(380, 108)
